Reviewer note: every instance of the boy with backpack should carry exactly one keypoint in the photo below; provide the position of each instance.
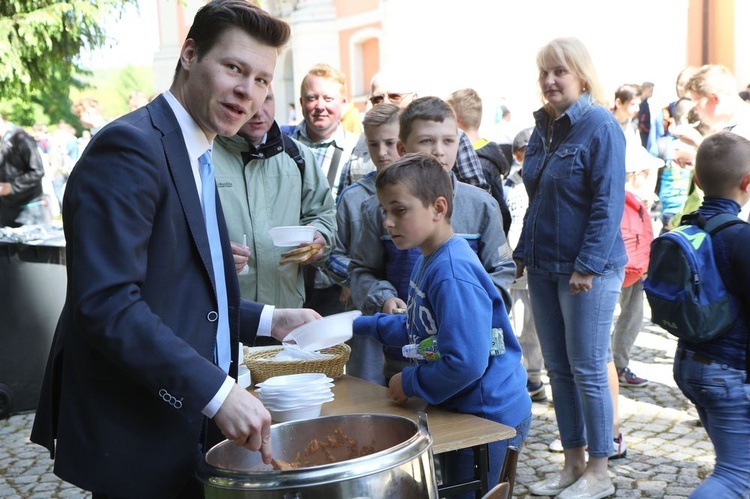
(705, 304)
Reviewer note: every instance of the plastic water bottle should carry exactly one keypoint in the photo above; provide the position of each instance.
(427, 349)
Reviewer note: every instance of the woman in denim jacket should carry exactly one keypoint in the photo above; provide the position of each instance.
(574, 173)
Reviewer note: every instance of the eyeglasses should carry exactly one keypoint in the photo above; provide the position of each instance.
(392, 97)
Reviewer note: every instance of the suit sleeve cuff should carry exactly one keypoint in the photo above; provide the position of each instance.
(215, 404)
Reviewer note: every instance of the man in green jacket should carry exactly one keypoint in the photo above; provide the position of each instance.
(264, 183)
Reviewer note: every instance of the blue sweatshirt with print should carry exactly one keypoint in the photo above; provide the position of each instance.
(452, 296)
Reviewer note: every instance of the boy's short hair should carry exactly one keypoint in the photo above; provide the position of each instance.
(721, 162)
(628, 92)
(218, 16)
(423, 108)
(382, 114)
(467, 105)
(712, 79)
(327, 72)
(681, 109)
(422, 175)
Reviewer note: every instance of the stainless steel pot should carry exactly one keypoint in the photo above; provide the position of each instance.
(400, 464)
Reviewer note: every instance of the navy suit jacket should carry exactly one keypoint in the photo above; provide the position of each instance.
(130, 367)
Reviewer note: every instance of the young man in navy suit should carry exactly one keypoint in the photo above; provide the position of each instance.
(132, 395)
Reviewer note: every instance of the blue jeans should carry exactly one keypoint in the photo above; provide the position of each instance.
(722, 399)
(458, 466)
(574, 332)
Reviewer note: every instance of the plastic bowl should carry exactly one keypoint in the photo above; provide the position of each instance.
(294, 380)
(295, 400)
(308, 412)
(324, 333)
(292, 235)
(289, 405)
(294, 391)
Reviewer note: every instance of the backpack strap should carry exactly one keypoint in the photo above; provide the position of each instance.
(713, 224)
(293, 152)
(721, 221)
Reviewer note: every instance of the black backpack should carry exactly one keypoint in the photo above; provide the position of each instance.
(293, 152)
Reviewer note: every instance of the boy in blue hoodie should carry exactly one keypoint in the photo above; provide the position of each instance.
(474, 361)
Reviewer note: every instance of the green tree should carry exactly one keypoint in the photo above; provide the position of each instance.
(40, 41)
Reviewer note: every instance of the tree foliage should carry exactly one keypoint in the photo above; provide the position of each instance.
(40, 41)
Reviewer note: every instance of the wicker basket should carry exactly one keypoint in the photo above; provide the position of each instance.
(262, 370)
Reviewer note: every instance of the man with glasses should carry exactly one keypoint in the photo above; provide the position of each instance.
(468, 169)
(390, 97)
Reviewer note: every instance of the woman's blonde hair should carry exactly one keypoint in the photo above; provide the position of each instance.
(572, 54)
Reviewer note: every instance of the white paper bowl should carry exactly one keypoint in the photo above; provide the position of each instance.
(294, 380)
(289, 405)
(295, 399)
(309, 412)
(324, 333)
(290, 392)
(292, 235)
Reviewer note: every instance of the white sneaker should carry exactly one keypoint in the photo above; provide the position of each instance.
(556, 445)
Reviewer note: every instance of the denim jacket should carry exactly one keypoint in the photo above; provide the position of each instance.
(576, 185)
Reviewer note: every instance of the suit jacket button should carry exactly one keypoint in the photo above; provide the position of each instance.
(212, 316)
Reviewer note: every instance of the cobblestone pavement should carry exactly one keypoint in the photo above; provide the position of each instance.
(668, 452)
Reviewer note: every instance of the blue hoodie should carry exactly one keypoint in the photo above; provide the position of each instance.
(452, 296)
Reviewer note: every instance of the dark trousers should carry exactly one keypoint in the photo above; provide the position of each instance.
(325, 301)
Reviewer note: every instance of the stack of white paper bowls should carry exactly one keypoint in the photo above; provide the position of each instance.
(295, 396)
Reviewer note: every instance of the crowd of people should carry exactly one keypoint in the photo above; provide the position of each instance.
(505, 258)
(40, 172)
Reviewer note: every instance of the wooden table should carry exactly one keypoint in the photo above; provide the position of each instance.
(450, 430)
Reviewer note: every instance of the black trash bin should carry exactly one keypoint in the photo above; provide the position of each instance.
(32, 295)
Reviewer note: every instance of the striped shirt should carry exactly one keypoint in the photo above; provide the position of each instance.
(324, 150)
